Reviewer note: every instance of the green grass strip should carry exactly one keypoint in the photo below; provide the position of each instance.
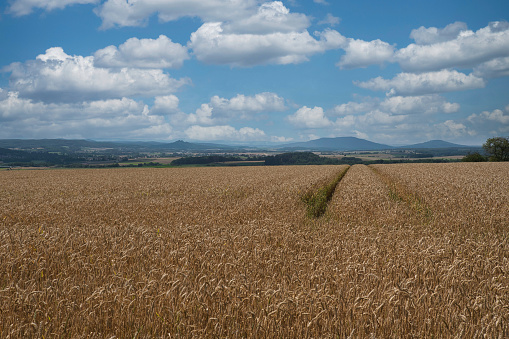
(317, 201)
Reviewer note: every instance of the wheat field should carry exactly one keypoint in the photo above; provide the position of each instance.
(402, 251)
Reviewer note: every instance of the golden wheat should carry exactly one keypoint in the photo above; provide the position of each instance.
(403, 251)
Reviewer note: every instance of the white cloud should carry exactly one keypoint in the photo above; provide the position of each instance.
(361, 135)
(493, 69)
(322, 2)
(25, 7)
(346, 121)
(497, 116)
(225, 132)
(310, 118)
(451, 128)
(12, 107)
(386, 126)
(489, 124)
(432, 35)
(378, 117)
(91, 119)
(280, 139)
(468, 49)
(396, 119)
(212, 45)
(202, 116)
(355, 107)
(144, 53)
(58, 77)
(244, 107)
(330, 20)
(271, 17)
(271, 35)
(361, 54)
(166, 104)
(424, 83)
(220, 111)
(426, 104)
(136, 13)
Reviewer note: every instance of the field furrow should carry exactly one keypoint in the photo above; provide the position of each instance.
(231, 252)
(461, 195)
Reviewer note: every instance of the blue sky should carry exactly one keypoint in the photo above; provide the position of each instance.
(249, 71)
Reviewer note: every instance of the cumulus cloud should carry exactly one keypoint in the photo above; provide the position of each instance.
(378, 117)
(25, 7)
(280, 139)
(489, 123)
(452, 128)
(393, 117)
(330, 20)
(90, 119)
(221, 110)
(424, 83)
(270, 17)
(242, 106)
(406, 119)
(386, 127)
(467, 49)
(58, 77)
(353, 107)
(425, 104)
(166, 104)
(497, 116)
(361, 54)
(143, 53)
(212, 45)
(272, 35)
(202, 116)
(136, 13)
(493, 69)
(225, 132)
(310, 118)
(432, 35)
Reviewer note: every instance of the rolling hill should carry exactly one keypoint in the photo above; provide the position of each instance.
(434, 144)
(337, 144)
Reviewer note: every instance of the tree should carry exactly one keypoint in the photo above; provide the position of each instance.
(497, 148)
(473, 157)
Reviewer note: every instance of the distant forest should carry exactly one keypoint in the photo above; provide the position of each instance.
(33, 158)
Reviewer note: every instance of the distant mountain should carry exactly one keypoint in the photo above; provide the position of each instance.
(434, 144)
(53, 145)
(71, 146)
(337, 144)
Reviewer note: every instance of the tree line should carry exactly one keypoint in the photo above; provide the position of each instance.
(496, 149)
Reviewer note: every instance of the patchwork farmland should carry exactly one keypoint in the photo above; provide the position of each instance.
(404, 250)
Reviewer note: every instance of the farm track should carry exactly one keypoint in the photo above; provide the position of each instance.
(399, 192)
(318, 198)
(462, 196)
(364, 197)
(222, 252)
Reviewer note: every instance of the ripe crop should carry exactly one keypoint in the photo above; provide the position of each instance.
(401, 251)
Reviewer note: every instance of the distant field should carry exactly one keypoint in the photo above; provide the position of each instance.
(403, 250)
(164, 161)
